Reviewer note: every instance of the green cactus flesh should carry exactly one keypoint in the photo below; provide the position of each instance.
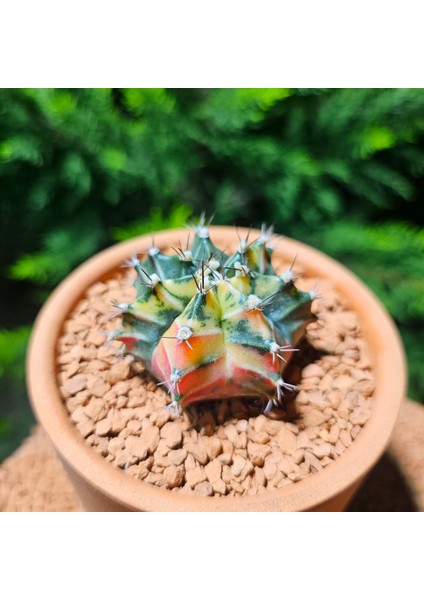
(212, 326)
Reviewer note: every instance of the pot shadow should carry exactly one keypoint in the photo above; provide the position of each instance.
(384, 490)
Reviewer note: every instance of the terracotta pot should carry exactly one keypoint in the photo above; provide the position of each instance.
(102, 486)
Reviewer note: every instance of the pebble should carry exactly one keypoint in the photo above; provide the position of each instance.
(119, 372)
(238, 464)
(213, 470)
(345, 438)
(305, 467)
(292, 427)
(258, 438)
(79, 415)
(314, 417)
(241, 425)
(213, 447)
(325, 383)
(73, 368)
(225, 458)
(260, 423)
(276, 480)
(260, 477)
(144, 444)
(119, 420)
(247, 470)
(321, 450)
(232, 435)
(85, 427)
(157, 479)
(219, 487)
(76, 352)
(269, 469)
(287, 441)
(312, 370)
(160, 460)
(97, 289)
(354, 431)
(177, 457)
(247, 483)
(312, 432)
(342, 423)
(104, 426)
(133, 425)
(136, 447)
(135, 400)
(272, 428)
(189, 463)
(227, 447)
(324, 435)
(174, 476)
(360, 415)
(242, 440)
(313, 461)
(161, 418)
(286, 465)
(364, 387)
(227, 474)
(163, 448)
(203, 488)
(64, 359)
(195, 476)
(339, 447)
(198, 451)
(298, 456)
(334, 434)
(348, 320)
(275, 456)
(302, 440)
(257, 453)
(172, 434)
(150, 437)
(96, 409)
(114, 445)
(75, 384)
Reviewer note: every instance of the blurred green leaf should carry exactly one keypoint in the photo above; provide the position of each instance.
(20, 148)
(139, 99)
(63, 249)
(374, 139)
(13, 345)
(176, 218)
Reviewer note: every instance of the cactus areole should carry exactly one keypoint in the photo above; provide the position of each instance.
(211, 326)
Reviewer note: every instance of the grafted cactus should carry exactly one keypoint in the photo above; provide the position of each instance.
(209, 325)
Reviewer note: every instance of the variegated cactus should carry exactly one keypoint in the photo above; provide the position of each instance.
(212, 326)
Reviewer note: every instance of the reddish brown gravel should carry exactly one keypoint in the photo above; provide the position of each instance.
(224, 448)
(32, 479)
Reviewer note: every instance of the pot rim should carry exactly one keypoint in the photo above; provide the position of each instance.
(382, 337)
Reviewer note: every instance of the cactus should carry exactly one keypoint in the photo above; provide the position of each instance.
(209, 325)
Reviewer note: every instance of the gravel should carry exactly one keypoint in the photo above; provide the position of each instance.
(230, 448)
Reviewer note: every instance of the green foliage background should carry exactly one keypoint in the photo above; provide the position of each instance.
(341, 169)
